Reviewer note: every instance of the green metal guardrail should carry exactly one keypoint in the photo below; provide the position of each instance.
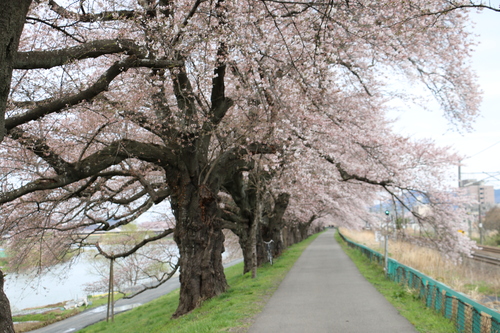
(468, 315)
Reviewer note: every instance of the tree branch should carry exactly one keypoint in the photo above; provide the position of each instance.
(136, 247)
(56, 105)
(162, 281)
(42, 150)
(112, 154)
(220, 104)
(53, 26)
(93, 49)
(347, 176)
(104, 16)
(62, 103)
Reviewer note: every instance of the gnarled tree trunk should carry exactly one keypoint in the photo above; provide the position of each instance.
(273, 230)
(304, 227)
(198, 234)
(6, 325)
(12, 18)
(246, 247)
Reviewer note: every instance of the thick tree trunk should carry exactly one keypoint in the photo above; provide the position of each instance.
(12, 18)
(198, 234)
(253, 248)
(246, 250)
(6, 325)
(304, 227)
(249, 246)
(274, 229)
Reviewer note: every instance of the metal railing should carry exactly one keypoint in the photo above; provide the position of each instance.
(468, 315)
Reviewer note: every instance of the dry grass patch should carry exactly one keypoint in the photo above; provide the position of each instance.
(476, 280)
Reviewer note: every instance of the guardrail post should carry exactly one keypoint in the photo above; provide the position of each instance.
(468, 318)
(443, 302)
(485, 323)
(454, 309)
(433, 297)
(426, 293)
(466, 314)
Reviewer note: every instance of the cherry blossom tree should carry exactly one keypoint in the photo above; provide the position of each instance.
(119, 105)
(11, 25)
(6, 324)
(252, 210)
(414, 173)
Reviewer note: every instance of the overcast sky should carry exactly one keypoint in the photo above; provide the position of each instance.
(482, 145)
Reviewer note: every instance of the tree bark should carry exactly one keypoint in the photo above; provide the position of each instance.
(253, 237)
(12, 18)
(199, 236)
(274, 228)
(246, 248)
(6, 325)
(304, 227)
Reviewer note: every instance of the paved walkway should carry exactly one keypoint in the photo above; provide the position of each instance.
(324, 292)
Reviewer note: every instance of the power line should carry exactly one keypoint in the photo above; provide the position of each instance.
(481, 172)
(484, 149)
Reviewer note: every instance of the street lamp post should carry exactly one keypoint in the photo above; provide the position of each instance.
(386, 241)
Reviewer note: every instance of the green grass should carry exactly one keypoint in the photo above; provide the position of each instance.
(230, 312)
(234, 310)
(43, 319)
(482, 287)
(493, 240)
(49, 317)
(403, 299)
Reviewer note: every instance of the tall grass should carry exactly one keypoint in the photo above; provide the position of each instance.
(476, 280)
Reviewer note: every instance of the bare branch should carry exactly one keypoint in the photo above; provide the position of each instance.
(104, 16)
(136, 247)
(57, 105)
(162, 281)
(53, 26)
(112, 154)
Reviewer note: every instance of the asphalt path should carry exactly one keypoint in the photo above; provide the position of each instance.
(95, 315)
(324, 292)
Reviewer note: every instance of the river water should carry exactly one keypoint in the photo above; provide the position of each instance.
(62, 283)
(65, 282)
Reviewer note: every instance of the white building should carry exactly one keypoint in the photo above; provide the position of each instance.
(483, 194)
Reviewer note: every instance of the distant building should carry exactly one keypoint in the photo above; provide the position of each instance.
(422, 210)
(483, 194)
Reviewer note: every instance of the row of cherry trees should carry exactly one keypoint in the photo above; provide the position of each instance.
(255, 116)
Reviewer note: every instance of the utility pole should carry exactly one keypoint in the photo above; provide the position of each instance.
(459, 174)
(386, 242)
(481, 233)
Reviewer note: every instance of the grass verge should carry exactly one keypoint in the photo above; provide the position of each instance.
(403, 299)
(478, 281)
(232, 311)
(29, 322)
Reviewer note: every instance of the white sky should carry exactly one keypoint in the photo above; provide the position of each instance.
(482, 145)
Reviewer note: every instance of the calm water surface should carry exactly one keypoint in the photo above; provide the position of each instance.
(62, 283)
